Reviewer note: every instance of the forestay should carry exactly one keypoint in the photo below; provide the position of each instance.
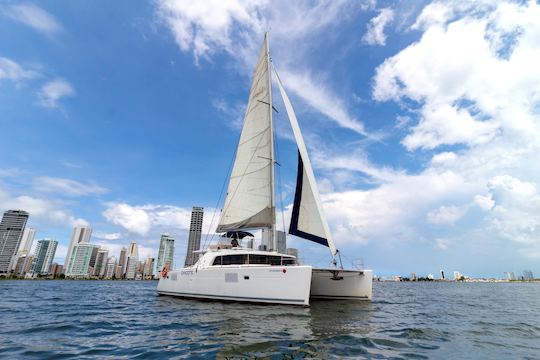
(249, 195)
(307, 219)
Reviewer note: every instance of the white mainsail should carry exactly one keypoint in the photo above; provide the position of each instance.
(250, 194)
(307, 219)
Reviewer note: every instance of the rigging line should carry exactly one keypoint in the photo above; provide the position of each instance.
(220, 196)
(280, 187)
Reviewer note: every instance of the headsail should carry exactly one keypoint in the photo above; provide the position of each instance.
(307, 220)
(249, 202)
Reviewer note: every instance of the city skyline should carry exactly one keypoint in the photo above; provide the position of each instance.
(425, 159)
(93, 261)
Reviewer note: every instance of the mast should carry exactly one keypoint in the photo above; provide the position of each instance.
(272, 156)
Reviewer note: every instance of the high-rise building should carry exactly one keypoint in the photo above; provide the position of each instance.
(528, 275)
(281, 242)
(148, 271)
(194, 241)
(293, 252)
(21, 268)
(132, 260)
(165, 254)
(57, 269)
(101, 262)
(111, 268)
(11, 232)
(25, 245)
(79, 263)
(28, 264)
(80, 235)
(45, 251)
(266, 240)
(122, 263)
(510, 275)
(93, 257)
(442, 275)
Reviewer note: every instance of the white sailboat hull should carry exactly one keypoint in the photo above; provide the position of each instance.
(341, 284)
(258, 284)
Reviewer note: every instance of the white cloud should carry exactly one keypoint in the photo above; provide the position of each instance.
(67, 186)
(446, 215)
(442, 244)
(234, 113)
(10, 70)
(53, 91)
(40, 208)
(133, 219)
(472, 76)
(318, 96)
(106, 236)
(32, 16)
(352, 162)
(375, 28)
(445, 124)
(141, 219)
(205, 28)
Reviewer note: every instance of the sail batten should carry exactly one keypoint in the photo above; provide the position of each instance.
(249, 202)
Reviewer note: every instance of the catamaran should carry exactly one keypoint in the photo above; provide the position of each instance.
(229, 272)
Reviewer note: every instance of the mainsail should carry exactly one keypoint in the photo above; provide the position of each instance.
(307, 219)
(250, 194)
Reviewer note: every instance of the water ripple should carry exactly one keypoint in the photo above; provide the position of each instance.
(106, 319)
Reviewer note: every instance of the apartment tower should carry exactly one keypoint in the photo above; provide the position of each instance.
(165, 254)
(194, 241)
(45, 251)
(80, 235)
(11, 232)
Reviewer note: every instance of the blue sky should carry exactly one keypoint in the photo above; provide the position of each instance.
(421, 118)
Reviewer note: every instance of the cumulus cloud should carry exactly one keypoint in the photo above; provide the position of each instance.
(476, 93)
(237, 27)
(375, 28)
(140, 219)
(471, 76)
(67, 186)
(32, 16)
(47, 210)
(52, 92)
(446, 215)
(10, 70)
(106, 236)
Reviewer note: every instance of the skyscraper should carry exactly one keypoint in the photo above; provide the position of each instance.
(165, 254)
(79, 263)
(132, 260)
(195, 230)
(121, 266)
(45, 251)
(25, 246)
(281, 242)
(266, 240)
(80, 235)
(111, 267)
(101, 262)
(148, 268)
(11, 232)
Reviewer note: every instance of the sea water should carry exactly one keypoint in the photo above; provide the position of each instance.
(127, 319)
